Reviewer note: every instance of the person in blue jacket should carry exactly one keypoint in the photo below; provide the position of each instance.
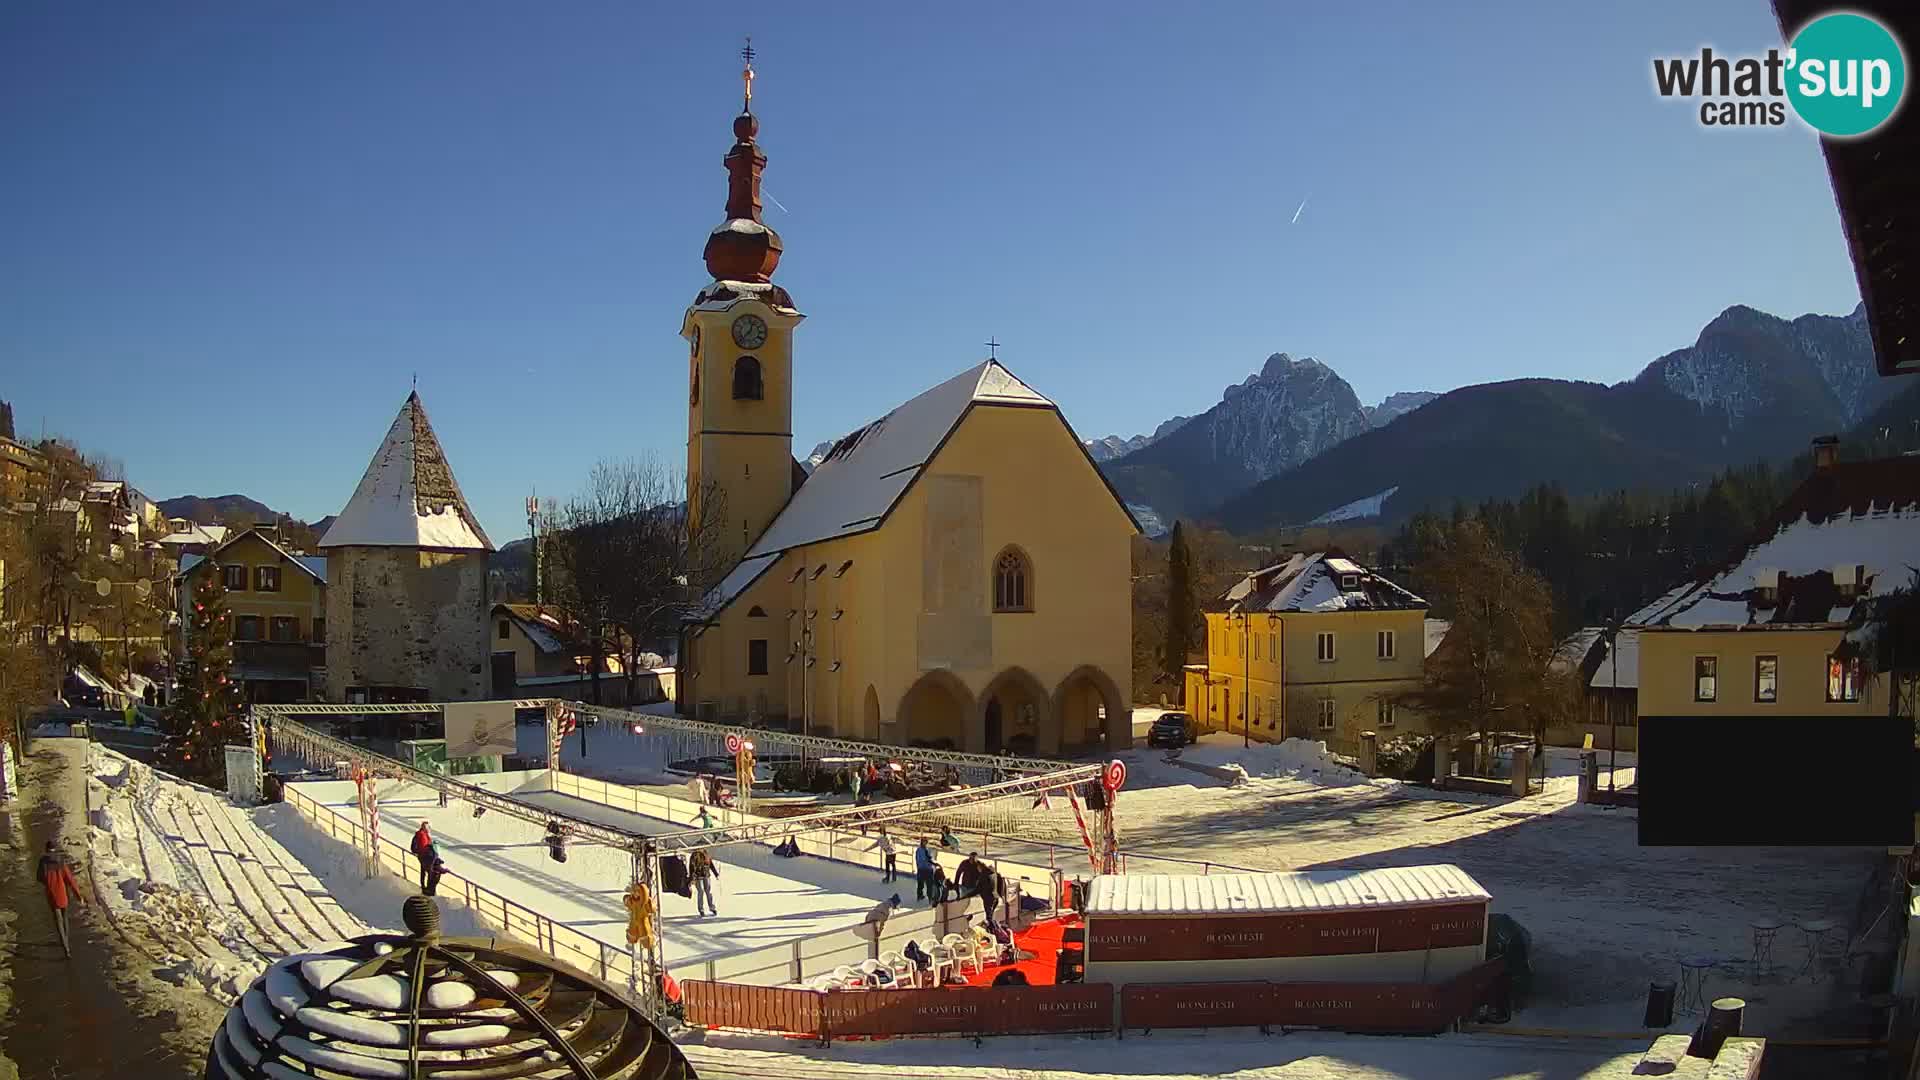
(923, 873)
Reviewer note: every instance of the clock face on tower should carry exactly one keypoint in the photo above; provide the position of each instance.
(749, 332)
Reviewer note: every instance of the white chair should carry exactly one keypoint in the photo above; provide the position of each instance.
(904, 971)
(943, 965)
(875, 974)
(962, 951)
(845, 978)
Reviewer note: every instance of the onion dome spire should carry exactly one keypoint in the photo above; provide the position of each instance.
(743, 248)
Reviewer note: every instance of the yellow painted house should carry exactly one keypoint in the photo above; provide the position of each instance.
(1760, 634)
(954, 573)
(1313, 648)
(278, 603)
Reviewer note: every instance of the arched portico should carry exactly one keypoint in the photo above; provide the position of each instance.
(935, 711)
(1090, 712)
(1014, 713)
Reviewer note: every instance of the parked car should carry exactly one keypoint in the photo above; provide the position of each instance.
(1174, 729)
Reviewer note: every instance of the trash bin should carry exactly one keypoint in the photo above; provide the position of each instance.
(1660, 1004)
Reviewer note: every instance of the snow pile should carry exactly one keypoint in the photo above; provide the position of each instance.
(1294, 759)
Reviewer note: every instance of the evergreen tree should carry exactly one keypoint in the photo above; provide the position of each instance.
(205, 714)
(1181, 613)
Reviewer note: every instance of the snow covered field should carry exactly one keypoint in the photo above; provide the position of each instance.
(762, 899)
(1236, 1053)
(226, 889)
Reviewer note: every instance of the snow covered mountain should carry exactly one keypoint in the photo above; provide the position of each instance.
(1113, 446)
(1396, 406)
(1275, 419)
(1812, 375)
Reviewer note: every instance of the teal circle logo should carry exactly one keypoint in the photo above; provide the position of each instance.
(1846, 74)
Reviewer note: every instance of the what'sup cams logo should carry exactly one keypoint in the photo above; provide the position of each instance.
(1844, 74)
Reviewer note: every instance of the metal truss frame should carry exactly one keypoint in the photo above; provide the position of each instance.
(686, 840)
(825, 746)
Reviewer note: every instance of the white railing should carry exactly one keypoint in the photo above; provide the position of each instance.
(773, 965)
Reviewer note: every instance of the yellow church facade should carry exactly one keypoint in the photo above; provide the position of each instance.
(953, 574)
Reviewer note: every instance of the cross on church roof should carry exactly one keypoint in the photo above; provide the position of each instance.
(993, 349)
(746, 74)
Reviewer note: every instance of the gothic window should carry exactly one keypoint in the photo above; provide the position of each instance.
(1012, 581)
(746, 379)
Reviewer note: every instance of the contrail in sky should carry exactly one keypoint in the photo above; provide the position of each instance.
(1296, 213)
(782, 206)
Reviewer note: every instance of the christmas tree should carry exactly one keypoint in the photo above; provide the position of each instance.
(205, 714)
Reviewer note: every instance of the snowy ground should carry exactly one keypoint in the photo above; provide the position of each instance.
(763, 899)
(1235, 1053)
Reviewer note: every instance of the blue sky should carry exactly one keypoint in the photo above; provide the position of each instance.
(231, 233)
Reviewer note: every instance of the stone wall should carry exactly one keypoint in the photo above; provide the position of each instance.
(404, 617)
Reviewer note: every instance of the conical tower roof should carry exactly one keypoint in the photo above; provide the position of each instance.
(408, 497)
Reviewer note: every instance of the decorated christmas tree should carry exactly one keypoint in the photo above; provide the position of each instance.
(205, 714)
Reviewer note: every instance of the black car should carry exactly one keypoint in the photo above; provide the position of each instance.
(1174, 729)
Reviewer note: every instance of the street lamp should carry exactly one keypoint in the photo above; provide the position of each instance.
(1613, 697)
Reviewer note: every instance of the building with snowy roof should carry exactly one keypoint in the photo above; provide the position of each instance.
(1314, 647)
(407, 567)
(953, 573)
(1760, 633)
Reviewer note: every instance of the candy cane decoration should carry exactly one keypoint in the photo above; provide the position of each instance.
(1085, 838)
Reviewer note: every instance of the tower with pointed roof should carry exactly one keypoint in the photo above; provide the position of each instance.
(407, 603)
(739, 332)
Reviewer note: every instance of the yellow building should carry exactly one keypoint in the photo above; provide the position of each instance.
(277, 600)
(1312, 648)
(23, 473)
(954, 573)
(1758, 634)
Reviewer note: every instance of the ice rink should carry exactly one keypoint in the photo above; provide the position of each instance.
(763, 899)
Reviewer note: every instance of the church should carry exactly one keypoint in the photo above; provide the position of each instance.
(954, 574)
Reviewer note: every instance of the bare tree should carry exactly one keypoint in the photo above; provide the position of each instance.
(1498, 657)
(629, 563)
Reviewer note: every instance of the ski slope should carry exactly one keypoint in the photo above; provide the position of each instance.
(763, 899)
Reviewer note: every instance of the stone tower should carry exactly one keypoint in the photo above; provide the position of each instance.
(740, 372)
(407, 596)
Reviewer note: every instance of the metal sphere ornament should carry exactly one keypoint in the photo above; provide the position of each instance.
(417, 1005)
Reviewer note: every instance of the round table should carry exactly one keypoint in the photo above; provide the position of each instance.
(1764, 931)
(1693, 983)
(1815, 934)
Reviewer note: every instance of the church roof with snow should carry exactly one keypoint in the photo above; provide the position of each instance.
(857, 484)
(1849, 532)
(408, 497)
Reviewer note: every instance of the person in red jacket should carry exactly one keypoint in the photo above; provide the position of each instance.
(57, 877)
(422, 848)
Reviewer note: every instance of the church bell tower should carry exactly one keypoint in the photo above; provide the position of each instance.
(739, 332)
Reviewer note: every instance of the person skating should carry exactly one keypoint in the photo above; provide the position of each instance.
(923, 873)
(701, 869)
(57, 878)
(970, 874)
(422, 849)
(948, 840)
(703, 819)
(888, 869)
(430, 882)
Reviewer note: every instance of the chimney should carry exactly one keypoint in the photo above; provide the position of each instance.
(1826, 451)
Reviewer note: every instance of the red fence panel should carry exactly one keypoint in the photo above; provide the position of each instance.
(1127, 938)
(752, 1008)
(1178, 1005)
(1009, 1010)
(1346, 1006)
